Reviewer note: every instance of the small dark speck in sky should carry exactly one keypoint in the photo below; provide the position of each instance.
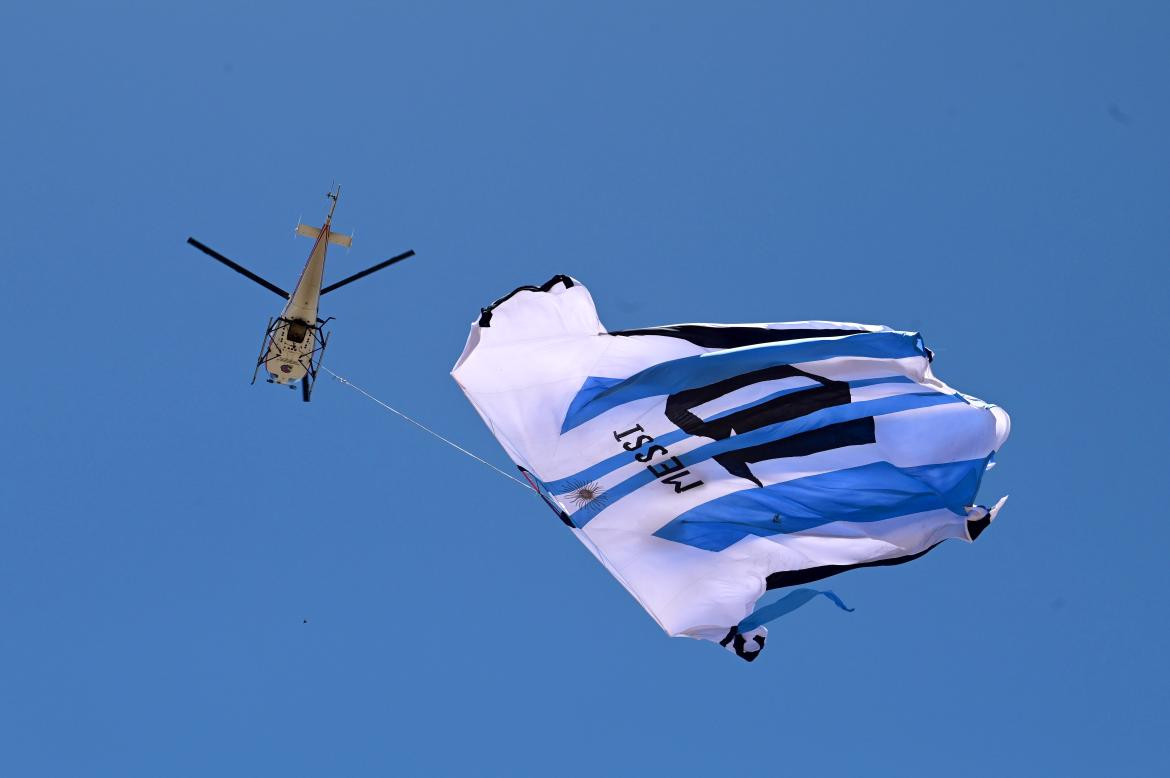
(1118, 115)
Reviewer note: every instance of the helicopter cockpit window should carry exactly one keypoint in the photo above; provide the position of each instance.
(296, 331)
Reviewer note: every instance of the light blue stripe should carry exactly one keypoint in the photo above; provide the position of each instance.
(784, 429)
(814, 385)
(785, 605)
(886, 379)
(610, 464)
(593, 386)
(766, 399)
(688, 372)
(872, 492)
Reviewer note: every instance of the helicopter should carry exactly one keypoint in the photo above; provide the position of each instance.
(294, 342)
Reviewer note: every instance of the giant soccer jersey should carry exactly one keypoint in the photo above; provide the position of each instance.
(704, 464)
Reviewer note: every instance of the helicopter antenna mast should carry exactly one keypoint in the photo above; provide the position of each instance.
(333, 195)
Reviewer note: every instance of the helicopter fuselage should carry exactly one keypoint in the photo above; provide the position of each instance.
(291, 344)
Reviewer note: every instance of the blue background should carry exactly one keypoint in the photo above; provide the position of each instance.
(996, 175)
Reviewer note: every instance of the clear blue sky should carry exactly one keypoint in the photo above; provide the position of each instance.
(996, 175)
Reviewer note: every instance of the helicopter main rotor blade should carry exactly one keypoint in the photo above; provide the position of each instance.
(367, 271)
(238, 268)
